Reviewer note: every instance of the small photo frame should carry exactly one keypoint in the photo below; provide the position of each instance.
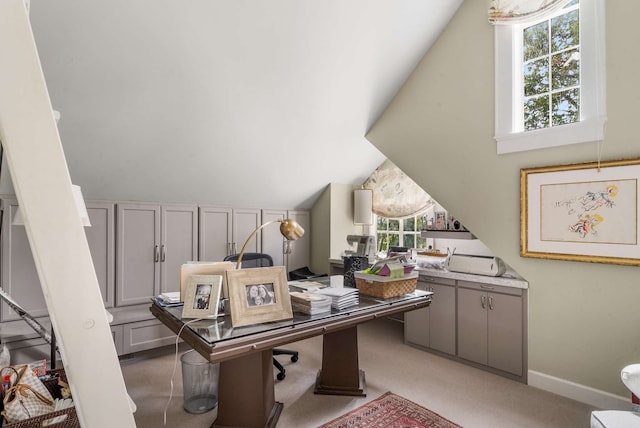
(440, 220)
(202, 296)
(258, 295)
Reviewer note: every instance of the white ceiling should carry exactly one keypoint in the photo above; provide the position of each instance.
(224, 101)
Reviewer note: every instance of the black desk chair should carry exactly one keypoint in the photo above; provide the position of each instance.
(254, 260)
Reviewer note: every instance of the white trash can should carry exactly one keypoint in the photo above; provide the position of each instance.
(199, 382)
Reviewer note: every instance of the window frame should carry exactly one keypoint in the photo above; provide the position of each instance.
(509, 97)
(400, 233)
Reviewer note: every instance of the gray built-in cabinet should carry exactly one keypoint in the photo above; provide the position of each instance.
(137, 249)
(490, 326)
(224, 230)
(434, 327)
(473, 321)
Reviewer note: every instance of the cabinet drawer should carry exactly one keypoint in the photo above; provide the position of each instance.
(139, 336)
(513, 291)
(436, 280)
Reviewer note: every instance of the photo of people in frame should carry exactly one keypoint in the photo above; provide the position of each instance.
(203, 296)
(260, 294)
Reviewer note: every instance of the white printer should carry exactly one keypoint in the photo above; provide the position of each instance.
(477, 265)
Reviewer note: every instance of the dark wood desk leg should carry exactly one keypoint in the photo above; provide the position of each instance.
(340, 373)
(246, 396)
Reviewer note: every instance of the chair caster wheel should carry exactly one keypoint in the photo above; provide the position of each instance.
(294, 358)
(280, 376)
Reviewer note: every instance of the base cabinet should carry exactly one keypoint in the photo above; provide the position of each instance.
(477, 323)
(490, 326)
(143, 335)
(434, 327)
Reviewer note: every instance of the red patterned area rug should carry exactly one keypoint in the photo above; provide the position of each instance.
(391, 411)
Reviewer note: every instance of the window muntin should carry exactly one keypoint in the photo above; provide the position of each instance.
(588, 58)
(551, 70)
(401, 232)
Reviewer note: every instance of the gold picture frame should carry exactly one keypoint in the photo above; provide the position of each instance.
(202, 296)
(584, 212)
(258, 295)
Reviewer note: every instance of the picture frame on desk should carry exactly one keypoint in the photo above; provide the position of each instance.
(202, 296)
(258, 295)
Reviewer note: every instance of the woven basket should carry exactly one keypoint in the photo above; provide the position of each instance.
(71, 421)
(385, 287)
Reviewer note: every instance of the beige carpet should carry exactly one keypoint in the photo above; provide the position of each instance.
(462, 394)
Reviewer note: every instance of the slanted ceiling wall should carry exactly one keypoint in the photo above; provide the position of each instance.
(584, 318)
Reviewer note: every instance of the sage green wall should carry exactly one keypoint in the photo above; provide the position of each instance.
(584, 318)
(332, 221)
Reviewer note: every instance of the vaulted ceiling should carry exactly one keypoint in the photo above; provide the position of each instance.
(234, 102)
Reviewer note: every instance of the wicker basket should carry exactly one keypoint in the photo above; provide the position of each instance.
(384, 286)
(71, 421)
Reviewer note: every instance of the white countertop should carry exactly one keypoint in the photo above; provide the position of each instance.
(506, 280)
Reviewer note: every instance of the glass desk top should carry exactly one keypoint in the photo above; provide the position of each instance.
(219, 330)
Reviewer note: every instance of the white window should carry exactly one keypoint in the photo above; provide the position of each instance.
(550, 79)
(401, 232)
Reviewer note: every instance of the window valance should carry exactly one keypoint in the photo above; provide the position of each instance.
(396, 195)
(517, 11)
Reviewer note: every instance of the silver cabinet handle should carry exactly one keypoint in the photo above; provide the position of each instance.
(162, 254)
(483, 301)
(156, 255)
(491, 302)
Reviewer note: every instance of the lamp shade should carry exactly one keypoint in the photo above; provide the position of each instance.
(362, 206)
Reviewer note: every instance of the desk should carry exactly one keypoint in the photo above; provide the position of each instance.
(245, 391)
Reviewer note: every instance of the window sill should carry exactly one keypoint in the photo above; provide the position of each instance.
(584, 132)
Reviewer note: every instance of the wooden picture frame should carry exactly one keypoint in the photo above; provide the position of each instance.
(584, 212)
(202, 296)
(258, 295)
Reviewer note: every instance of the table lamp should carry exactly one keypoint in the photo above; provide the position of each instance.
(289, 228)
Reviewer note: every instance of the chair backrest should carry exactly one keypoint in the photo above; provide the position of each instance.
(251, 260)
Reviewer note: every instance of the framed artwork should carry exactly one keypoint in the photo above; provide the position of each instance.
(258, 295)
(202, 295)
(582, 212)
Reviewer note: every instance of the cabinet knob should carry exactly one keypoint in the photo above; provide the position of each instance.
(483, 301)
(162, 254)
(491, 302)
(156, 255)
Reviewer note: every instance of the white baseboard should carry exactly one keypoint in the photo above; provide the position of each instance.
(578, 392)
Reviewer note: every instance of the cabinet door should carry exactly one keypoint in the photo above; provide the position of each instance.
(272, 239)
(138, 253)
(215, 233)
(178, 244)
(442, 319)
(19, 275)
(100, 237)
(472, 325)
(245, 222)
(300, 255)
(416, 326)
(505, 332)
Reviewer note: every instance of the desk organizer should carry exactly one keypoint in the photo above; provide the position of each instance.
(71, 420)
(384, 286)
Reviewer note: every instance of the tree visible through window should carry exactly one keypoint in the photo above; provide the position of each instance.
(550, 74)
(401, 232)
(551, 70)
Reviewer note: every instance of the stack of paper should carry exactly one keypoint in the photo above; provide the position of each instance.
(170, 297)
(341, 297)
(310, 303)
